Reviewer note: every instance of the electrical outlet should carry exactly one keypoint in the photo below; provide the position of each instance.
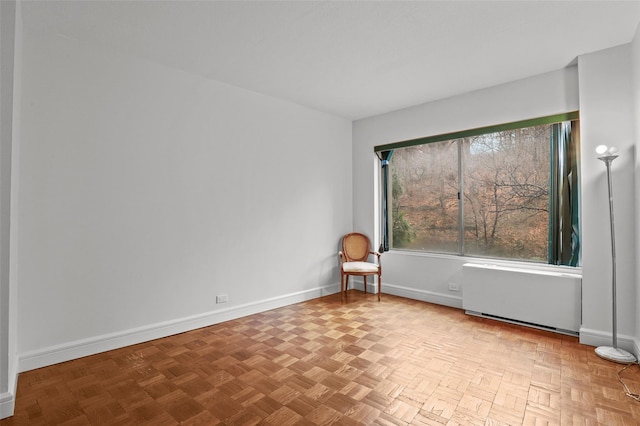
(223, 298)
(454, 287)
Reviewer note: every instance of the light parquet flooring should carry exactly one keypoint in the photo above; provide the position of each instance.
(327, 361)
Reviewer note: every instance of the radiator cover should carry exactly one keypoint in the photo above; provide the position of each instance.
(549, 300)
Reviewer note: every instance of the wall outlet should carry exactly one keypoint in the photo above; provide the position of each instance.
(222, 298)
(454, 287)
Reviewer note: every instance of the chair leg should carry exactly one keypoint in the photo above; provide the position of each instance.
(365, 284)
(379, 286)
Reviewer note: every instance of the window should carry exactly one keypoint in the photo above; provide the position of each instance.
(507, 192)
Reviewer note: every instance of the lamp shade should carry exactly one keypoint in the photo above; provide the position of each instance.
(604, 151)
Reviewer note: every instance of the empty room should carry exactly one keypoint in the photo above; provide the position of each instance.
(319, 212)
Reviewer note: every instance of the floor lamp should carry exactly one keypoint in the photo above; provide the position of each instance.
(612, 353)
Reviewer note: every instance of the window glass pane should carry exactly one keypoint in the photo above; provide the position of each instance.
(510, 203)
(506, 194)
(424, 194)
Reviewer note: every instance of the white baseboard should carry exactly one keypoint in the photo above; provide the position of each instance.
(409, 293)
(7, 403)
(358, 284)
(91, 346)
(599, 338)
(423, 295)
(8, 399)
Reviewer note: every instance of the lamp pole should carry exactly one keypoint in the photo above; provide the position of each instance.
(612, 353)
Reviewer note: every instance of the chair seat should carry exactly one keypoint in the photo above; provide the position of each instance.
(359, 267)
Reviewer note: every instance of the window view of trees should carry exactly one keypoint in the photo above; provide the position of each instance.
(504, 195)
(425, 197)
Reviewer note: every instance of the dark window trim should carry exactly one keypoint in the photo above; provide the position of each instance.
(550, 119)
(384, 152)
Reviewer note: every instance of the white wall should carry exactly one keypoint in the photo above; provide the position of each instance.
(426, 277)
(7, 20)
(145, 192)
(635, 69)
(10, 28)
(607, 117)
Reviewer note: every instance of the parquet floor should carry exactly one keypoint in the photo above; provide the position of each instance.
(357, 362)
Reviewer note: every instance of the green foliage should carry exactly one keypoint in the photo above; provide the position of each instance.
(403, 233)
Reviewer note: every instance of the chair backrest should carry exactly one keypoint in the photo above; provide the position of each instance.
(356, 247)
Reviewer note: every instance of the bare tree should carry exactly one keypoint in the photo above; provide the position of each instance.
(506, 190)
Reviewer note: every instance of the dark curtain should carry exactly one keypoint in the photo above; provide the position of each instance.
(385, 157)
(564, 230)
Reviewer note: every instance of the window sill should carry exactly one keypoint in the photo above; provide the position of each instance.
(516, 264)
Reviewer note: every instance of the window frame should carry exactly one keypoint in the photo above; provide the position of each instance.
(386, 150)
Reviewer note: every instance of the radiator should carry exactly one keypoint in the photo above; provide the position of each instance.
(548, 300)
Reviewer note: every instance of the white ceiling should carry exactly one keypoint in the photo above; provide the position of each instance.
(354, 59)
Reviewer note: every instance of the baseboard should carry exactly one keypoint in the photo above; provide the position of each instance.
(7, 402)
(91, 346)
(8, 399)
(356, 283)
(425, 296)
(409, 293)
(599, 338)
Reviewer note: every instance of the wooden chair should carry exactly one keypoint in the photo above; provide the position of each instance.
(354, 256)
